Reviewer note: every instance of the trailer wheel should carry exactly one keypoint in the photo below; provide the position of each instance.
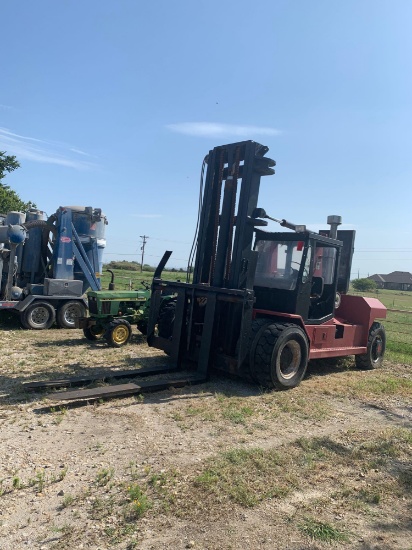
(69, 312)
(281, 356)
(38, 316)
(118, 333)
(373, 357)
(94, 332)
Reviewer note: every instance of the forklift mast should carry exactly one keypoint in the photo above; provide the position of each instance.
(213, 314)
(224, 254)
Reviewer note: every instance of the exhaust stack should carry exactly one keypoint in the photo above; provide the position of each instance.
(334, 222)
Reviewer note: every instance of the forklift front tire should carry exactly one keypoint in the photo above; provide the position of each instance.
(118, 333)
(258, 326)
(281, 356)
(373, 358)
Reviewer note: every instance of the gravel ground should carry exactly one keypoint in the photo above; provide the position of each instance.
(68, 475)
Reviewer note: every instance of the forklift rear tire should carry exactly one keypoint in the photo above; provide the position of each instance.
(69, 312)
(281, 356)
(93, 333)
(38, 316)
(373, 358)
(118, 333)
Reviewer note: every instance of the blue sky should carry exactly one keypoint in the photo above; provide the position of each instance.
(115, 104)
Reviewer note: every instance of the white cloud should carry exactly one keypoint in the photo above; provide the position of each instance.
(147, 216)
(216, 130)
(79, 152)
(38, 150)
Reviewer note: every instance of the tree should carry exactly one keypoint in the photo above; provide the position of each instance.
(9, 199)
(364, 285)
(8, 163)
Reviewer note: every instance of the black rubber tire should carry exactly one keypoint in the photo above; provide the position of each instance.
(373, 358)
(93, 333)
(38, 316)
(142, 327)
(69, 312)
(258, 326)
(281, 356)
(166, 319)
(118, 333)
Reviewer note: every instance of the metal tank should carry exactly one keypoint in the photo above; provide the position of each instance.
(31, 269)
(15, 218)
(13, 234)
(90, 225)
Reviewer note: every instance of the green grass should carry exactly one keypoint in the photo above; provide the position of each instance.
(387, 385)
(325, 532)
(124, 278)
(398, 325)
(246, 476)
(394, 299)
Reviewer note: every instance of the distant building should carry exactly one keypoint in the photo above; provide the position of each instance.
(397, 280)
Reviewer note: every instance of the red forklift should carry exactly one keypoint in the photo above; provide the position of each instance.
(261, 304)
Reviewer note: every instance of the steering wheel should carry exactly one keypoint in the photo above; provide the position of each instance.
(305, 274)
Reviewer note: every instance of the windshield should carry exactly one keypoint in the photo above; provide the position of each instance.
(278, 263)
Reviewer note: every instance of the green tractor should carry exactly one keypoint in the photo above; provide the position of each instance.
(113, 312)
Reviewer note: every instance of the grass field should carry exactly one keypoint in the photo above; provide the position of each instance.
(398, 324)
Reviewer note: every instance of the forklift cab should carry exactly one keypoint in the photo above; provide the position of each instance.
(297, 273)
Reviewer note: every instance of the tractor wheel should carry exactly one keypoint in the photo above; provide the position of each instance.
(93, 333)
(38, 316)
(281, 356)
(373, 357)
(166, 319)
(118, 333)
(69, 312)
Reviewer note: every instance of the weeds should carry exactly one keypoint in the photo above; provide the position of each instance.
(104, 476)
(322, 531)
(246, 476)
(17, 483)
(39, 480)
(139, 502)
(67, 501)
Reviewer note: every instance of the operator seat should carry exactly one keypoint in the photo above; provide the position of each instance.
(316, 290)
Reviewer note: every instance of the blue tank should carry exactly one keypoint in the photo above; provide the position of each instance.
(90, 225)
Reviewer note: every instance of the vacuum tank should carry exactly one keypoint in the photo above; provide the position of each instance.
(90, 226)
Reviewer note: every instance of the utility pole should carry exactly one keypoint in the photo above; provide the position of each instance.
(144, 237)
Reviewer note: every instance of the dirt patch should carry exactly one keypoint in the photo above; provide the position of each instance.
(218, 466)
